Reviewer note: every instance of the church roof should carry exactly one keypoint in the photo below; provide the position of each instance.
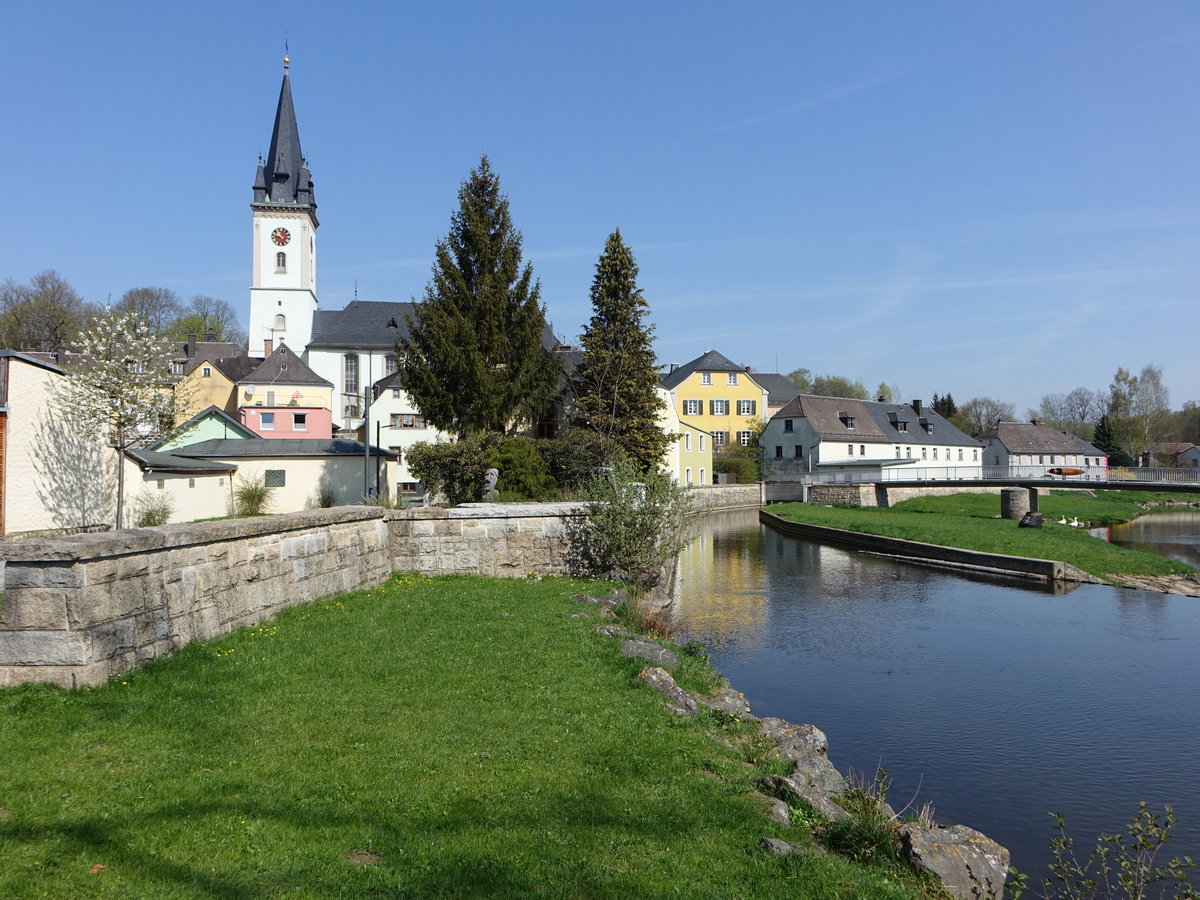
(283, 177)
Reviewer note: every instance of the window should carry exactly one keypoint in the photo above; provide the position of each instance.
(849, 449)
(692, 408)
(206, 372)
(687, 442)
(191, 482)
(399, 451)
(280, 263)
(407, 487)
(395, 393)
(687, 475)
(702, 481)
(732, 378)
(935, 452)
(162, 484)
(350, 373)
(1041, 459)
(924, 453)
(848, 421)
(897, 453)
(720, 439)
(407, 420)
(960, 459)
(862, 449)
(747, 407)
(389, 364)
(220, 482)
(902, 426)
(266, 422)
(275, 477)
(787, 426)
(299, 421)
(706, 377)
(744, 438)
(350, 411)
(778, 452)
(975, 455)
(908, 452)
(798, 452)
(701, 443)
(280, 322)
(176, 368)
(718, 407)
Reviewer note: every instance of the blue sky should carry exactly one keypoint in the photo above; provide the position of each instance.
(983, 198)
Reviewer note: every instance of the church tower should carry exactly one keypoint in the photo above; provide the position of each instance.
(283, 286)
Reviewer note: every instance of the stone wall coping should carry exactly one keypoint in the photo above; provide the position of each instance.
(82, 547)
(510, 510)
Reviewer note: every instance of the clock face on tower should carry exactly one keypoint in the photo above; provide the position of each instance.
(281, 236)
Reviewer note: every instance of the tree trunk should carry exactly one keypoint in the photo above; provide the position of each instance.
(120, 487)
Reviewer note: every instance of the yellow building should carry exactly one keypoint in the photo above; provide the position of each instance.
(716, 396)
(689, 458)
(213, 382)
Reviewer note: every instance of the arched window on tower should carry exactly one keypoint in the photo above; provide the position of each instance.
(281, 322)
(280, 263)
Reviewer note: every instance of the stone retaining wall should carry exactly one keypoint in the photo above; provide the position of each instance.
(76, 609)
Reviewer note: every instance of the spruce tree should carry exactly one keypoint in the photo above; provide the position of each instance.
(473, 360)
(615, 383)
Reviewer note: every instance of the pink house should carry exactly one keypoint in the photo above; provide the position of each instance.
(284, 398)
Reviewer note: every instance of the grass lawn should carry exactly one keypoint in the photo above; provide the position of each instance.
(971, 521)
(456, 737)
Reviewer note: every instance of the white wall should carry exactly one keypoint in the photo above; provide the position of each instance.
(54, 475)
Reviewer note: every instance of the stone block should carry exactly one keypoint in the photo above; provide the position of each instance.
(100, 571)
(45, 648)
(970, 864)
(111, 640)
(34, 609)
(17, 575)
(316, 543)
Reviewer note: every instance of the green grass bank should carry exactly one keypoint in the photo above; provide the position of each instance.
(971, 521)
(458, 737)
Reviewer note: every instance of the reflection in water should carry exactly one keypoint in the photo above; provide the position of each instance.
(1174, 535)
(997, 703)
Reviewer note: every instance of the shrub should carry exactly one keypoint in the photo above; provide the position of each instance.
(455, 470)
(574, 459)
(744, 468)
(636, 525)
(1119, 866)
(867, 834)
(523, 472)
(251, 496)
(384, 501)
(324, 496)
(152, 508)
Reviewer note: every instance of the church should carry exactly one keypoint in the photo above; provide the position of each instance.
(352, 348)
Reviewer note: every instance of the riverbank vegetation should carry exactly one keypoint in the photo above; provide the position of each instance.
(971, 521)
(455, 736)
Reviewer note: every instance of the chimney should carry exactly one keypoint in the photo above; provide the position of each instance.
(747, 370)
(674, 366)
(191, 346)
(211, 336)
(1033, 422)
(916, 405)
(267, 344)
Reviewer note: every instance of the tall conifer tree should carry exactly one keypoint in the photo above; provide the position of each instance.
(473, 360)
(615, 381)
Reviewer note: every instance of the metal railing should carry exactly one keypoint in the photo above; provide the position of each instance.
(1093, 474)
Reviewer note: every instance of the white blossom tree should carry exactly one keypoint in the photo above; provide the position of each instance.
(118, 385)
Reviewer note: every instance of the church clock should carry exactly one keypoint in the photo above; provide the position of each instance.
(281, 236)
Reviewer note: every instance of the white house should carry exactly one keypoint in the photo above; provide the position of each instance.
(1031, 449)
(397, 425)
(838, 439)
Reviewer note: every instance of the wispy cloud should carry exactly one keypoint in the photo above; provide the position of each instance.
(830, 96)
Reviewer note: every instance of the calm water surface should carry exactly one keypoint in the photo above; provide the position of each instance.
(997, 703)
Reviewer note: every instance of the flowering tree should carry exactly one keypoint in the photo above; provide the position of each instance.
(118, 383)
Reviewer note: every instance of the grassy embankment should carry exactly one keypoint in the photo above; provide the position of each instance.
(971, 521)
(431, 737)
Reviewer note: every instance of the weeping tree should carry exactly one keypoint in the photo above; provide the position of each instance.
(615, 383)
(473, 358)
(118, 383)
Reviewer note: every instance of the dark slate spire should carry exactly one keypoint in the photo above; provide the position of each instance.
(284, 176)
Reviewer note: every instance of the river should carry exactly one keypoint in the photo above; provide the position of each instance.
(996, 702)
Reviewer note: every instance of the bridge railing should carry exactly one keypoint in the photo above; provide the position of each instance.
(1104, 474)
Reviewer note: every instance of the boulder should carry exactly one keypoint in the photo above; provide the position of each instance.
(818, 772)
(970, 864)
(793, 741)
(637, 648)
(726, 700)
(776, 846)
(794, 791)
(678, 699)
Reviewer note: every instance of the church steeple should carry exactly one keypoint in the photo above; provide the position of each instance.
(283, 177)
